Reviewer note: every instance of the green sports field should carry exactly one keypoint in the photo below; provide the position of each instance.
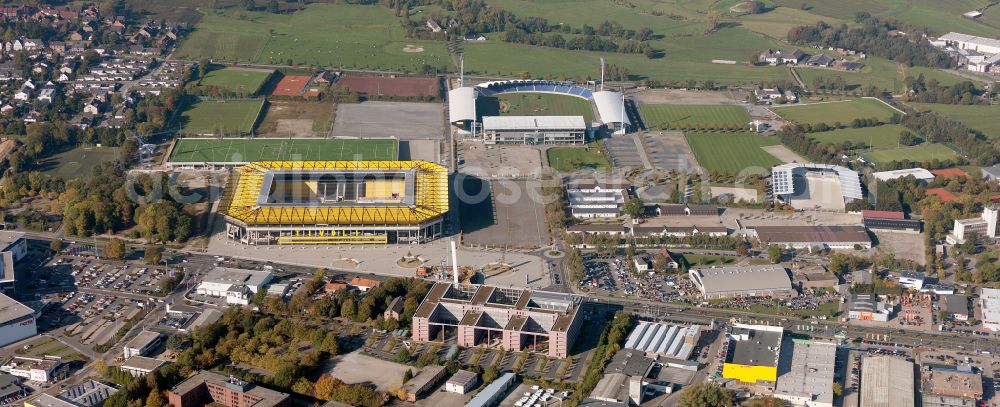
(543, 104)
(228, 117)
(191, 150)
(732, 152)
(244, 80)
(923, 152)
(668, 117)
(831, 112)
(877, 136)
(982, 118)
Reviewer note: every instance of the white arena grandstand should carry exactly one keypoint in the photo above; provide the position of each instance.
(815, 186)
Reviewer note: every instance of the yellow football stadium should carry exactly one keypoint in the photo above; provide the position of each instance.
(335, 202)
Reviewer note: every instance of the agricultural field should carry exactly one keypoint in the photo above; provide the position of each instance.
(668, 117)
(923, 152)
(241, 80)
(78, 162)
(732, 152)
(940, 17)
(195, 150)
(885, 136)
(982, 118)
(352, 36)
(566, 159)
(225, 117)
(537, 104)
(831, 112)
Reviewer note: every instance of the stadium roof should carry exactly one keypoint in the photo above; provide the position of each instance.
(534, 123)
(462, 104)
(919, 173)
(739, 279)
(611, 107)
(886, 381)
(430, 190)
(850, 182)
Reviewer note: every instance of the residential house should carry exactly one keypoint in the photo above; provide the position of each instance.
(767, 95)
(475, 37)
(433, 25)
(31, 44)
(10, 72)
(672, 262)
(643, 263)
(46, 95)
(92, 107)
(394, 310)
(24, 93)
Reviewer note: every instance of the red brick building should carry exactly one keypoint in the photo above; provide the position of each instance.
(207, 387)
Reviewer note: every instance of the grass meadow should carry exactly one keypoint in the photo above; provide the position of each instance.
(223, 117)
(668, 117)
(732, 152)
(831, 112)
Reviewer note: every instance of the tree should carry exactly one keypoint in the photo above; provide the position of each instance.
(155, 399)
(634, 208)
(115, 249)
(767, 401)
(837, 389)
(838, 263)
(774, 254)
(153, 254)
(407, 375)
(714, 17)
(403, 356)
(56, 246)
(490, 374)
(705, 395)
(325, 387)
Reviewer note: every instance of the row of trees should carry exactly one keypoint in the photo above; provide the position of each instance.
(876, 37)
(585, 42)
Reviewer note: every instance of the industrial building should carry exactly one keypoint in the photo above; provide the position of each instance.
(462, 382)
(13, 247)
(662, 339)
(423, 382)
(591, 200)
(886, 381)
(493, 393)
(142, 344)
(207, 387)
(989, 302)
(867, 307)
(90, 393)
(534, 130)
(911, 279)
(336, 202)
(921, 175)
(806, 373)
(808, 237)
(237, 286)
(752, 355)
(971, 42)
(515, 319)
(741, 281)
(35, 369)
(17, 321)
(945, 387)
(985, 226)
(890, 221)
(791, 182)
(140, 365)
(957, 306)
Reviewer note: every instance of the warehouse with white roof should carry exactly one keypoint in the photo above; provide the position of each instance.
(666, 340)
(741, 281)
(990, 303)
(920, 174)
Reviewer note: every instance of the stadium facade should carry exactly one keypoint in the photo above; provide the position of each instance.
(335, 202)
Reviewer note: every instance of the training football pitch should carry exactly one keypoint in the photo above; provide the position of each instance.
(669, 117)
(832, 112)
(978, 117)
(885, 136)
(225, 117)
(923, 152)
(247, 81)
(732, 152)
(192, 150)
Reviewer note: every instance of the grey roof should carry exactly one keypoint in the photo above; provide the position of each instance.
(142, 363)
(11, 309)
(462, 378)
(812, 234)
(630, 363)
(610, 387)
(850, 182)
(45, 400)
(88, 394)
(672, 341)
(761, 349)
(462, 104)
(886, 382)
(864, 302)
(971, 39)
(227, 275)
(9, 384)
(807, 370)
(143, 339)
(956, 304)
(534, 123)
(739, 279)
(486, 396)
(994, 170)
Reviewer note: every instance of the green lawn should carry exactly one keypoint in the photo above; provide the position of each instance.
(78, 162)
(694, 116)
(237, 79)
(249, 150)
(732, 152)
(982, 118)
(923, 152)
(566, 159)
(878, 137)
(229, 117)
(831, 112)
(540, 104)
(332, 35)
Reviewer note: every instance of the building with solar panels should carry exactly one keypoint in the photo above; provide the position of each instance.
(336, 202)
(815, 186)
(664, 340)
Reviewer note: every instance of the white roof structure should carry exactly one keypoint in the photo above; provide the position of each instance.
(672, 341)
(10, 309)
(611, 107)
(990, 303)
(781, 178)
(809, 374)
(966, 41)
(886, 381)
(225, 277)
(513, 123)
(741, 280)
(462, 104)
(919, 173)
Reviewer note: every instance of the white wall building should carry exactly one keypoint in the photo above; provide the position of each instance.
(14, 248)
(17, 321)
(142, 344)
(595, 201)
(983, 226)
(461, 382)
(237, 286)
(39, 370)
(989, 301)
(971, 42)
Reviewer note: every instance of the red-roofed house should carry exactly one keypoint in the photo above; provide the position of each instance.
(950, 172)
(291, 86)
(943, 194)
(364, 284)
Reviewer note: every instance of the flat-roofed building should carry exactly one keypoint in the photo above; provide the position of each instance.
(921, 175)
(210, 388)
(957, 306)
(950, 388)
(519, 319)
(911, 279)
(35, 369)
(867, 307)
(662, 339)
(90, 393)
(890, 221)
(806, 373)
(989, 302)
(140, 365)
(741, 281)
(17, 321)
(142, 344)
(534, 130)
(886, 381)
(461, 382)
(595, 201)
(753, 353)
(807, 237)
(494, 392)
(237, 286)
(13, 248)
(423, 382)
(986, 225)
(971, 42)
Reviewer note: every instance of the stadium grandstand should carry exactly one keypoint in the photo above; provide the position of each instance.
(335, 202)
(462, 101)
(815, 186)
